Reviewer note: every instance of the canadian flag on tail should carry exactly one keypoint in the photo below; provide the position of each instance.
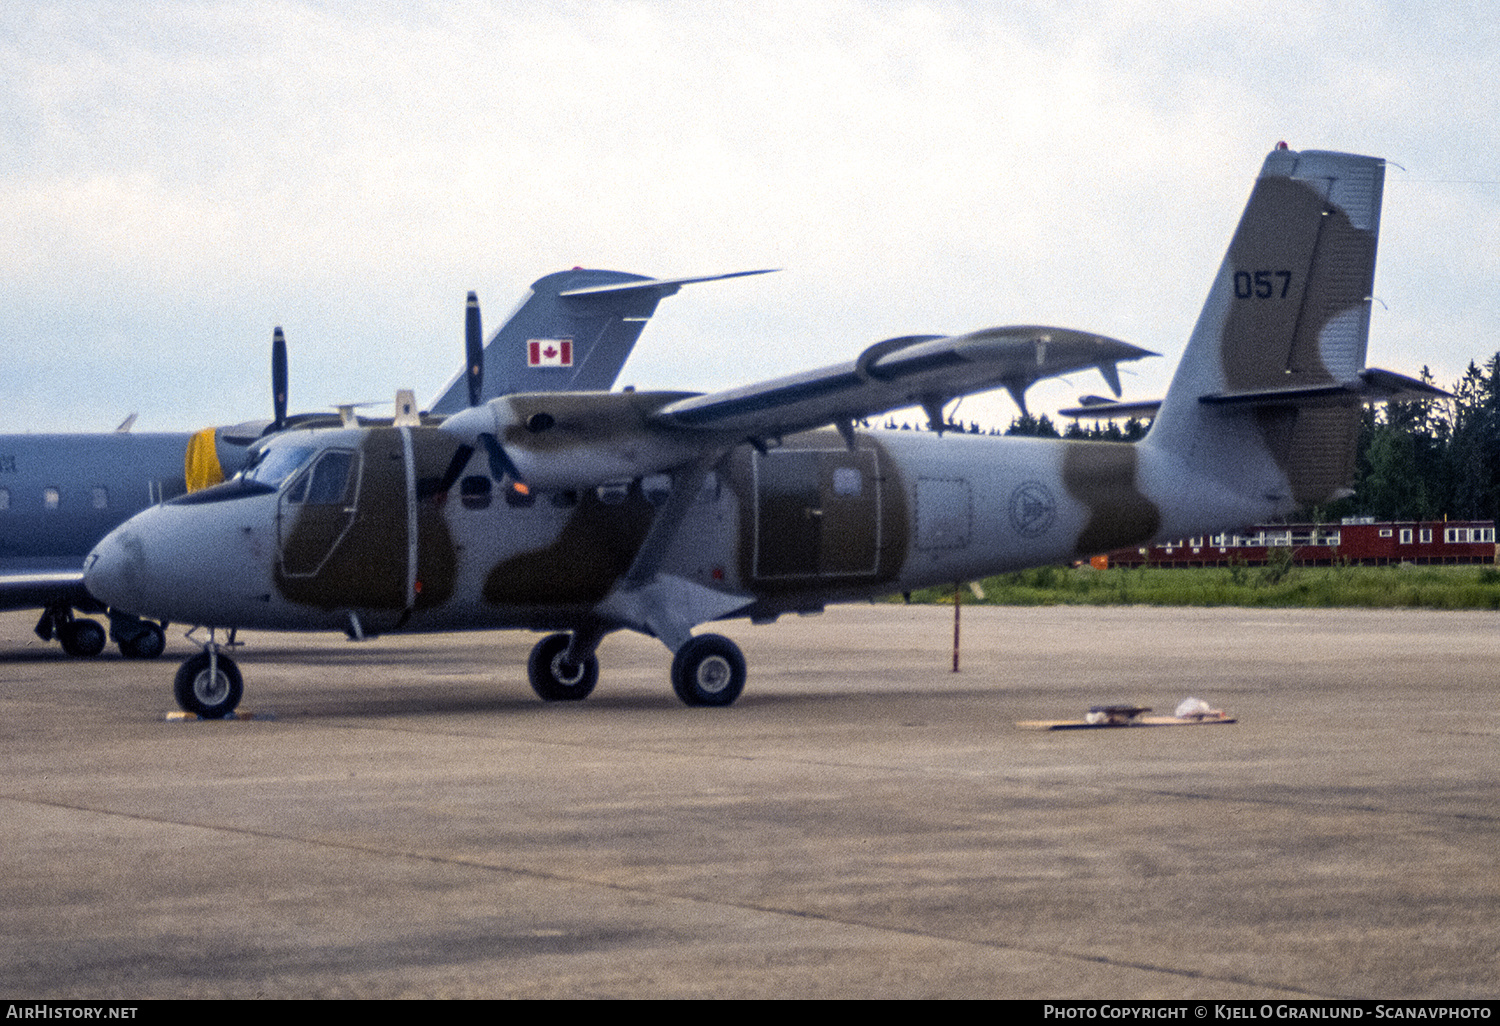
(549, 352)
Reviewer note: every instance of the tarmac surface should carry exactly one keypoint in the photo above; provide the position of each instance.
(407, 820)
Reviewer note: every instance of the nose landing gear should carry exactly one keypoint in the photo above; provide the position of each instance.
(209, 683)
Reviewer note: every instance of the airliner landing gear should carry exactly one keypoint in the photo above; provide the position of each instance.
(81, 638)
(209, 684)
(137, 638)
(708, 670)
(553, 678)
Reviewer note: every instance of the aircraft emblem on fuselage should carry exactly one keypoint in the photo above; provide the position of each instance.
(1032, 508)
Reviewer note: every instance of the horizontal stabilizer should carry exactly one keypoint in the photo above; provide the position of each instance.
(1104, 409)
(658, 284)
(1371, 386)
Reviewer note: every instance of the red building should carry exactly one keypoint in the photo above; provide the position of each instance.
(1358, 541)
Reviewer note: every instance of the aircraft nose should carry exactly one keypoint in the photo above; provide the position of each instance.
(114, 571)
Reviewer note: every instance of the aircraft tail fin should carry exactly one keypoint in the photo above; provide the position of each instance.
(1268, 395)
(572, 332)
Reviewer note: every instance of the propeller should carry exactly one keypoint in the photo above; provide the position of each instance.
(502, 467)
(474, 351)
(278, 379)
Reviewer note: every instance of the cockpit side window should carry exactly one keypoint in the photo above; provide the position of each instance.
(327, 482)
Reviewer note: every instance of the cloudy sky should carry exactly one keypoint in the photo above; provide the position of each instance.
(178, 178)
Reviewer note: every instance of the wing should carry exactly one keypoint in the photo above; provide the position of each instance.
(42, 588)
(923, 370)
(583, 439)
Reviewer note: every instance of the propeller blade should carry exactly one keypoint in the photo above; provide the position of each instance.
(501, 465)
(427, 487)
(474, 350)
(278, 379)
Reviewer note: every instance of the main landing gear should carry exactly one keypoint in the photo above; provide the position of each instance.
(137, 638)
(80, 637)
(83, 638)
(708, 670)
(557, 679)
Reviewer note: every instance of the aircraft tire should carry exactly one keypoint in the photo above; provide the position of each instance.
(198, 692)
(708, 670)
(82, 639)
(549, 677)
(148, 644)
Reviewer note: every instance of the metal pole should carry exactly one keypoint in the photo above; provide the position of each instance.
(956, 605)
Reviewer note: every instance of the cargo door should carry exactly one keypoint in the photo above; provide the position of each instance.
(817, 514)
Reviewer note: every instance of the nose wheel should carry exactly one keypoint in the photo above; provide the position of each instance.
(209, 684)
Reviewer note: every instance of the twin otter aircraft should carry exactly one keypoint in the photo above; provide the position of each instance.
(584, 513)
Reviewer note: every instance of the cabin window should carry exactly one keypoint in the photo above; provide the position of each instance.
(101, 498)
(1426, 536)
(51, 498)
(613, 493)
(1405, 536)
(474, 492)
(657, 488)
(848, 481)
(1385, 532)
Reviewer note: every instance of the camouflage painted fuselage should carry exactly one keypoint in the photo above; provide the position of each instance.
(791, 528)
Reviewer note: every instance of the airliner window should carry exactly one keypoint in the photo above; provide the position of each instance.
(848, 481)
(275, 464)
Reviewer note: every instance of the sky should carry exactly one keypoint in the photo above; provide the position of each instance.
(176, 179)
